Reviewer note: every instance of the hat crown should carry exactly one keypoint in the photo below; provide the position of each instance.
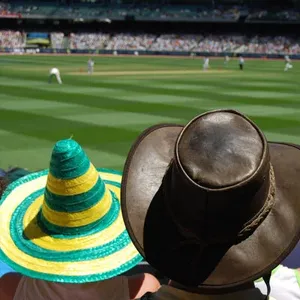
(68, 160)
(221, 171)
(75, 197)
(219, 150)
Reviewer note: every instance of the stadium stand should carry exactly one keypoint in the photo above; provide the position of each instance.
(165, 42)
(24, 10)
(139, 11)
(152, 10)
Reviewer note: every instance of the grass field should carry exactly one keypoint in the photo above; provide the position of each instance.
(105, 112)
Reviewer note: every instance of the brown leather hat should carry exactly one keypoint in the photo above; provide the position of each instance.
(212, 204)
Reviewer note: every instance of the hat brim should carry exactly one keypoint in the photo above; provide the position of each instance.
(148, 222)
(101, 253)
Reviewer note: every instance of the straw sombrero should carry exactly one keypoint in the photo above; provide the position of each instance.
(65, 224)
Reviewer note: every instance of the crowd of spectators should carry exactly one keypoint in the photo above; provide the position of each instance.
(88, 40)
(57, 40)
(18, 10)
(4, 9)
(269, 45)
(173, 42)
(280, 15)
(184, 12)
(12, 39)
(149, 11)
(164, 12)
(195, 43)
(138, 11)
(220, 43)
(130, 42)
(165, 42)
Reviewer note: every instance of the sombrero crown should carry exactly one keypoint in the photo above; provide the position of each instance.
(64, 224)
(75, 197)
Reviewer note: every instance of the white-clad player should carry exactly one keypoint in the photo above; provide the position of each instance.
(205, 63)
(91, 64)
(288, 64)
(226, 60)
(54, 72)
(241, 62)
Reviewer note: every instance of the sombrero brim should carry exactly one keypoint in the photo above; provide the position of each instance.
(148, 222)
(103, 252)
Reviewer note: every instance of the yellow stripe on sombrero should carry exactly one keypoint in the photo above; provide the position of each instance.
(69, 187)
(81, 218)
(114, 189)
(110, 177)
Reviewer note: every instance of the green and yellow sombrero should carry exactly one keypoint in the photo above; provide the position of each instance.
(65, 224)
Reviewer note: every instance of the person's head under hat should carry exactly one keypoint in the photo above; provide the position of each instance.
(63, 226)
(212, 205)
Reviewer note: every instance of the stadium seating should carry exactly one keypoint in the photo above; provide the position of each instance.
(152, 11)
(281, 15)
(164, 42)
(195, 43)
(11, 39)
(120, 12)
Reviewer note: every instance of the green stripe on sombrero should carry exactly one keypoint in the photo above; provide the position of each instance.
(114, 183)
(91, 228)
(72, 279)
(68, 160)
(102, 251)
(83, 201)
(28, 247)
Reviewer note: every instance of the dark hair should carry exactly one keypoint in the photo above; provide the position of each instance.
(3, 185)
